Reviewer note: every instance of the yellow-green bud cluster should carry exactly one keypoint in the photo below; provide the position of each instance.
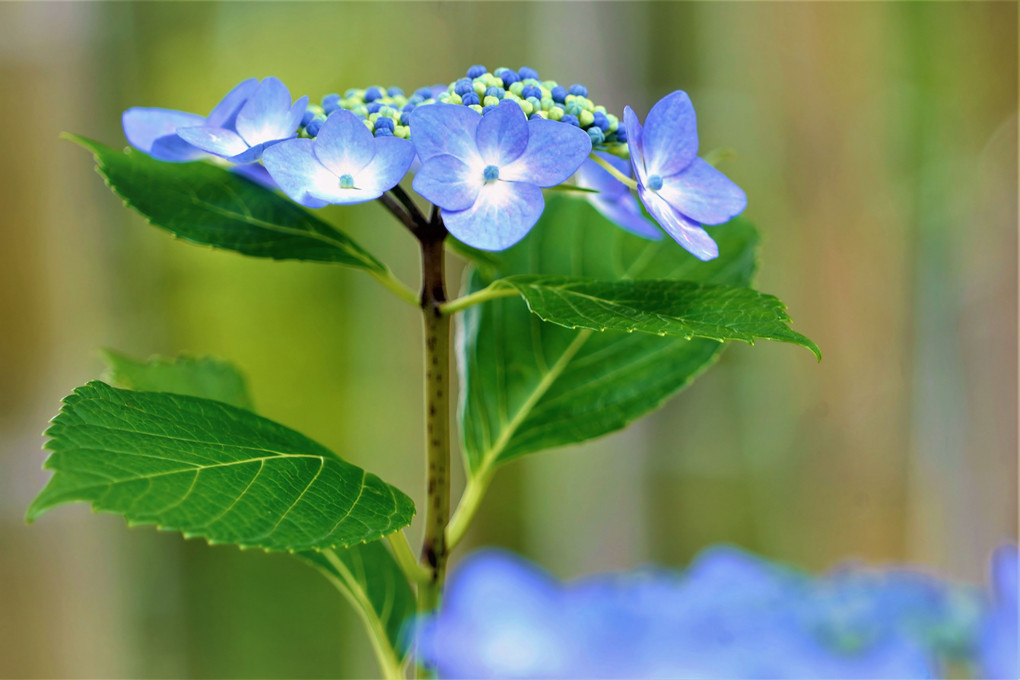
(539, 99)
(386, 111)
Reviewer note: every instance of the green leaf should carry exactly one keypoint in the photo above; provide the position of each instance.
(373, 582)
(530, 385)
(207, 204)
(660, 307)
(211, 470)
(205, 377)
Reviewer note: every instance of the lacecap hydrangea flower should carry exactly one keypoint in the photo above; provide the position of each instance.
(483, 148)
(729, 615)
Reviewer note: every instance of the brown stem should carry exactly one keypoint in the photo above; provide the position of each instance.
(437, 412)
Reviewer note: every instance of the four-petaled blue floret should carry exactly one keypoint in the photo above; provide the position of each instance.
(486, 173)
(680, 190)
(343, 164)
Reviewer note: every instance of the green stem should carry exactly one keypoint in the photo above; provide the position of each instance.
(490, 292)
(390, 663)
(474, 492)
(395, 285)
(437, 414)
(614, 172)
(405, 558)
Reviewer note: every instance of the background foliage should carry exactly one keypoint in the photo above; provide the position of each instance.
(877, 144)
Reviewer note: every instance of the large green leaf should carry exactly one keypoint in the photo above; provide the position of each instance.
(205, 377)
(661, 307)
(207, 204)
(377, 588)
(367, 573)
(528, 385)
(212, 470)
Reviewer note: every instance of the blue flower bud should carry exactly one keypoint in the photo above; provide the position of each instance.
(409, 107)
(488, 108)
(330, 103)
(405, 119)
(621, 134)
(597, 137)
(463, 86)
(531, 91)
(384, 123)
(424, 93)
(476, 71)
(494, 91)
(573, 108)
(579, 90)
(509, 77)
(526, 72)
(567, 118)
(559, 93)
(383, 132)
(469, 99)
(601, 121)
(395, 92)
(312, 128)
(373, 93)
(535, 102)
(374, 107)
(307, 118)
(353, 93)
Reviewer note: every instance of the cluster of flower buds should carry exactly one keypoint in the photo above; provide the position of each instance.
(487, 145)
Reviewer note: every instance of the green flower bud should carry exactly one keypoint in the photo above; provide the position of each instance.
(585, 118)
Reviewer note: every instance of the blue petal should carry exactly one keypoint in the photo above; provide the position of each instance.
(225, 113)
(502, 134)
(154, 131)
(634, 132)
(266, 116)
(591, 175)
(448, 182)
(293, 165)
(704, 194)
(218, 141)
(670, 137)
(614, 199)
(626, 214)
(501, 215)
(256, 173)
(393, 157)
(344, 144)
(685, 232)
(445, 130)
(555, 151)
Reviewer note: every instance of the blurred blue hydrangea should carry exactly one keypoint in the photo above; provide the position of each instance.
(730, 615)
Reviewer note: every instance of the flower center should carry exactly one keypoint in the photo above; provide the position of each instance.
(491, 173)
(347, 182)
(654, 182)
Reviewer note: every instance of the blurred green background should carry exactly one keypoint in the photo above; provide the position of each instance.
(878, 147)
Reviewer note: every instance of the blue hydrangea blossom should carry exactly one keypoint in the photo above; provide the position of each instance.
(999, 649)
(486, 173)
(614, 199)
(681, 191)
(154, 130)
(344, 164)
(730, 615)
(266, 118)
